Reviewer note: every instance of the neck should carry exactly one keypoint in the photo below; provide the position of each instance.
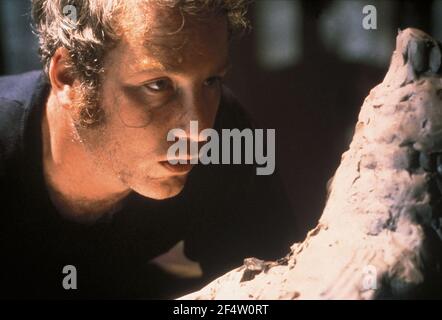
(79, 188)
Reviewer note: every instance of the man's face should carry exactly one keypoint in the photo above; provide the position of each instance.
(158, 78)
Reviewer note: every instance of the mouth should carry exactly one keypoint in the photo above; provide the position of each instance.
(177, 168)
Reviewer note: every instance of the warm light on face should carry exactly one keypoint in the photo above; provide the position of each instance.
(151, 86)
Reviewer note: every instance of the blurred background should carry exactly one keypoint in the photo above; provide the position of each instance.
(304, 70)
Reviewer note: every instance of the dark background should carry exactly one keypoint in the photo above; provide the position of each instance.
(304, 70)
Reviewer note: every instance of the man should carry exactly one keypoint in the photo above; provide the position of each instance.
(89, 198)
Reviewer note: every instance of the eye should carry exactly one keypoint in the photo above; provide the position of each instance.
(158, 86)
(213, 81)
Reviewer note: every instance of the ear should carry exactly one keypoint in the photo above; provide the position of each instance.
(62, 81)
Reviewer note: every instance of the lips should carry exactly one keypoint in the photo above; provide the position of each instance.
(177, 168)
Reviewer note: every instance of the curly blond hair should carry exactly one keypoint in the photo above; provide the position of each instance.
(88, 29)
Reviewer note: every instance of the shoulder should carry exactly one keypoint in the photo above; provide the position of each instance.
(15, 93)
(19, 87)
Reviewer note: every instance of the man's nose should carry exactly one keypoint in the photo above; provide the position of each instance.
(198, 109)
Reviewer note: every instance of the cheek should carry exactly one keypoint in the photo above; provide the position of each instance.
(141, 145)
(130, 145)
(136, 109)
(138, 133)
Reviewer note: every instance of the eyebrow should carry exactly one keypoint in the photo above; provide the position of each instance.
(175, 70)
(226, 67)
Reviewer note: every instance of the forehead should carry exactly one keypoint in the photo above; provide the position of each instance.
(171, 39)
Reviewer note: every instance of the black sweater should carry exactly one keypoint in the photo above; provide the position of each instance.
(224, 214)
